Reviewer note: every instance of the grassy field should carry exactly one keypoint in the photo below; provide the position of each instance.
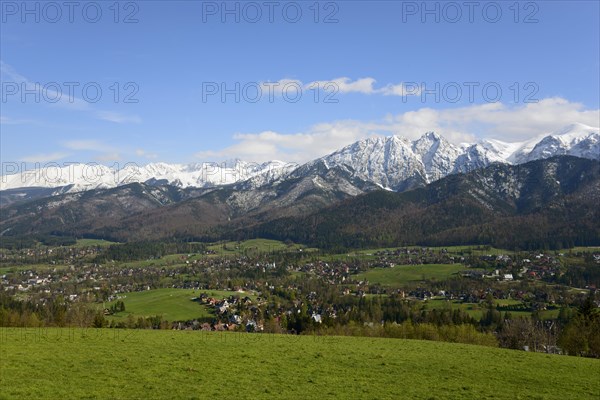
(171, 304)
(370, 254)
(581, 249)
(254, 247)
(167, 261)
(38, 267)
(93, 242)
(477, 310)
(402, 274)
(124, 364)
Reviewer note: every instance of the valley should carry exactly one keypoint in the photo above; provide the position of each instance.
(275, 287)
(430, 254)
(299, 200)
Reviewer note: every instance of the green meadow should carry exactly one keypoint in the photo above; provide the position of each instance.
(477, 311)
(402, 274)
(93, 242)
(171, 304)
(253, 247)
(71, 363)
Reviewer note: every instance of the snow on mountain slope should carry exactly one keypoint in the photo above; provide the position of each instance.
(81, 177)
(499, 151)
(385, 161)
(577, 140)
(393, 163)
(399, 164)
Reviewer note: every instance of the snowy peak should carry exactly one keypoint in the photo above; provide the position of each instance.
(428, 139)
(437, 155)
(577, 140)
(393, 163)
(388, 162)
(499, 151)
(398, 164)
(82, 177)
(577, 130)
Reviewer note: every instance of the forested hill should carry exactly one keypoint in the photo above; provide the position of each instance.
(541, 204)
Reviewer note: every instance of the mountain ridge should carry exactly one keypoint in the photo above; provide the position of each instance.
(541, 203)
(536, 202)
(393, 163)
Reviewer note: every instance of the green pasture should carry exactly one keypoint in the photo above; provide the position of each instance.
(402, 274)
(152, 364)
(171, 304)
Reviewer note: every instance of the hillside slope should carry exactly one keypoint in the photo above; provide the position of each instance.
(156, 364)
(549, 202)
(542, 203)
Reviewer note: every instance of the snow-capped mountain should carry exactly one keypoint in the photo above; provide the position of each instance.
(396, 163)
(574, 140)
(393, 163)
(81, 177)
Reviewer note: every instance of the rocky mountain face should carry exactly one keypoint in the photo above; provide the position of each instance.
(398, 164)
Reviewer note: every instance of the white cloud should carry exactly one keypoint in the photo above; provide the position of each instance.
(59, 98)
(48, 92)
(10, 72)
(499, 121)
(346, 85)
(118, 118)
(458, 125)
(44, 158)
(87, 145)
(343, 85)
(145, 154)
(108, 157)
(103, 152)
(401, 89)
(11, 121)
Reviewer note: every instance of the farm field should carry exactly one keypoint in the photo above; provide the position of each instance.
(125, 364)
(475, 250)
(93, 242)
(171, 304)
(477, 310)
(253, 247)
(167, 261)
(467, 249)
(402, 274)
(40, 267)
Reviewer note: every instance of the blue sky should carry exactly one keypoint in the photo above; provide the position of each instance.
(382, 68)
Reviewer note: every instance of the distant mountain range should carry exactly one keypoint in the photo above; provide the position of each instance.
(543, 203)
(398, 164)
(374, 192)
(550, 203)
(393, 163)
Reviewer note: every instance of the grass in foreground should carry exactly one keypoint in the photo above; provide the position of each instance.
(122, 364)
